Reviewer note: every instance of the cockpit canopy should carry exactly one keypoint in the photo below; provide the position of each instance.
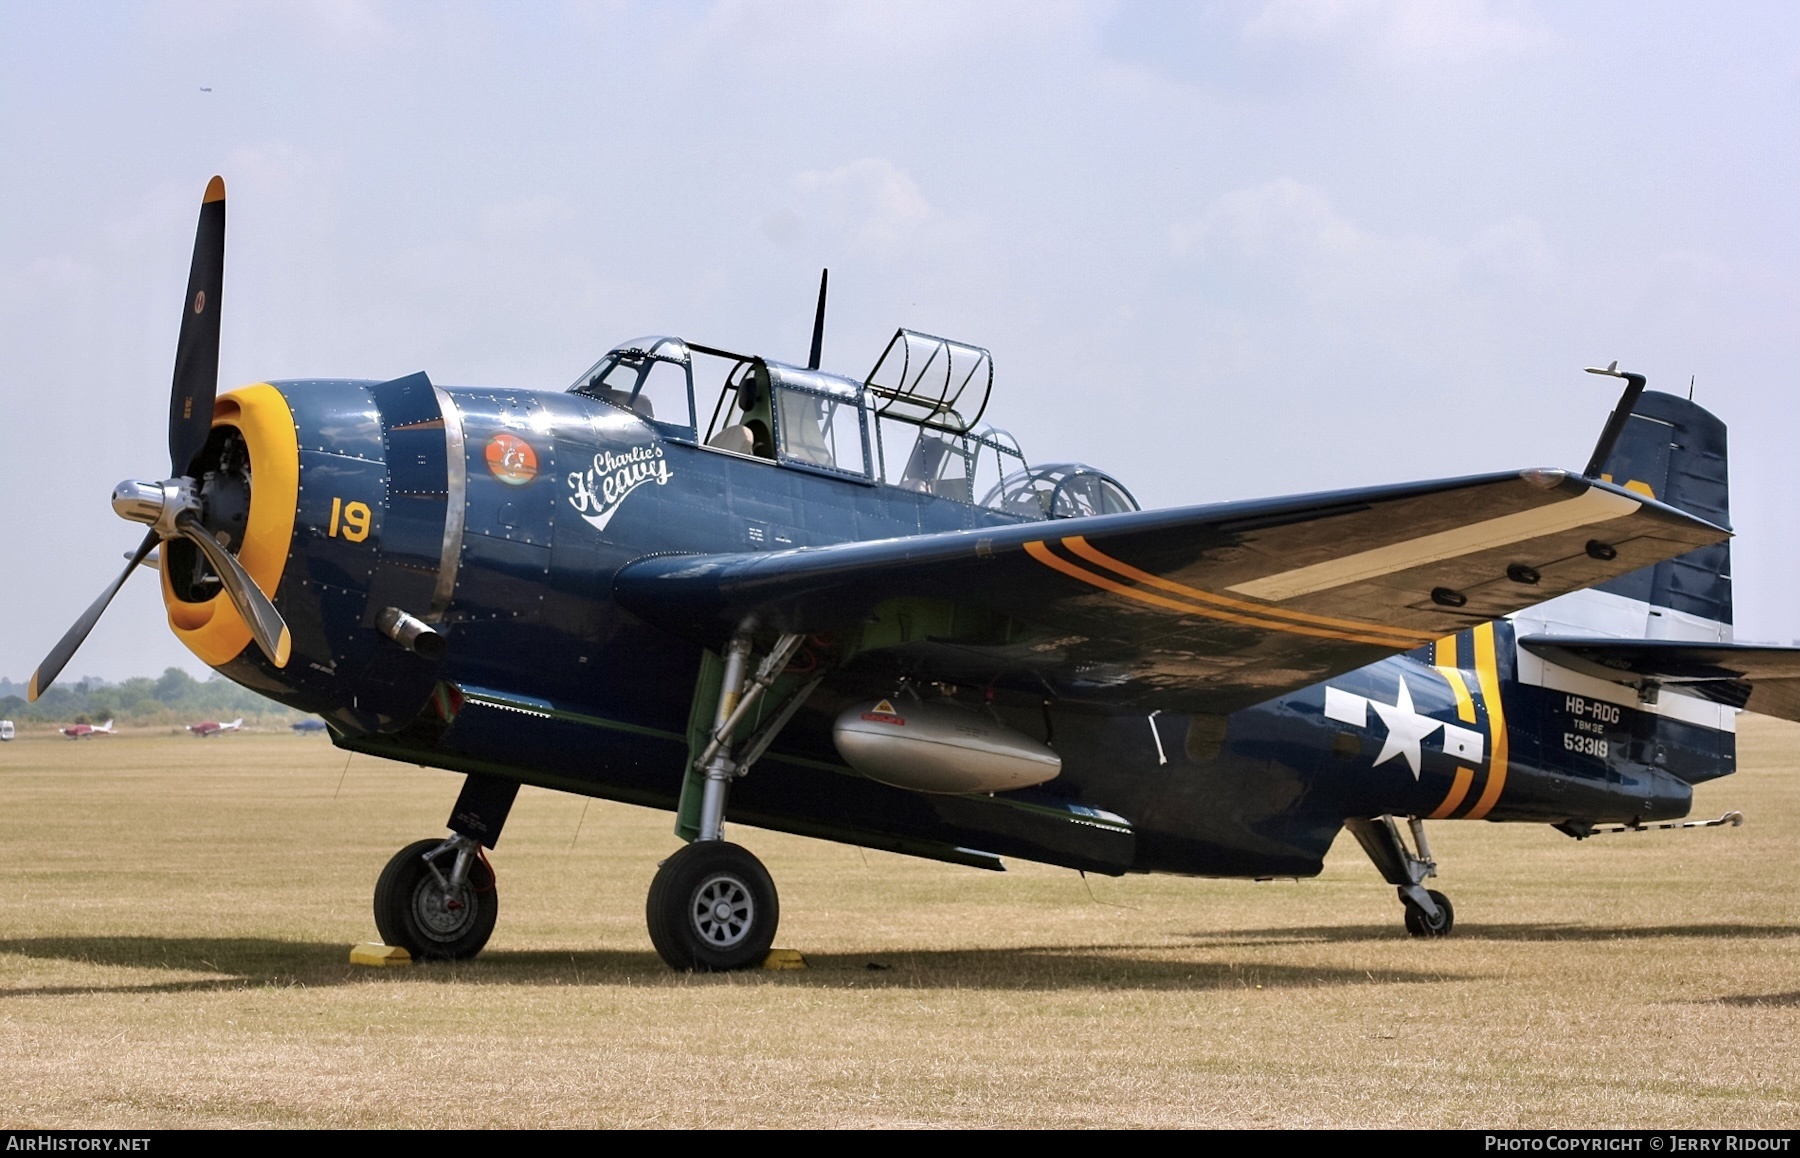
(651, 377)
(1064, 490)
(900, 426)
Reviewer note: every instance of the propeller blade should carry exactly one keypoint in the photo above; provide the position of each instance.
(197, 351)
(266, 625)
(46, 672)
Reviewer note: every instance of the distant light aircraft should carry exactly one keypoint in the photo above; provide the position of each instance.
(212, 727)
(82, 731)
(918, 643)
(308, 725)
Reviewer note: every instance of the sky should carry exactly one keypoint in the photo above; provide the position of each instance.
(1221, 250)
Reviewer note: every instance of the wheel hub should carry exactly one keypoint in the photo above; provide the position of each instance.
(442, 915)
(723, 910)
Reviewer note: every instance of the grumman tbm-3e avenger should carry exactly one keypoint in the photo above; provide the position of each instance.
(843, 607)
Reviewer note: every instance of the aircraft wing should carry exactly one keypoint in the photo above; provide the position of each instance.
(1205, 608)
(1754, 677)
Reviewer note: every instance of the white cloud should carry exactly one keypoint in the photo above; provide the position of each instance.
(1430, 32)
(1293, 231)
(870, 206)
(523, 215)
(1283, 250)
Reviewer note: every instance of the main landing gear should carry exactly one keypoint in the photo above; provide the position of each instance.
(712, 905)
(436, 899)
(1428, 912)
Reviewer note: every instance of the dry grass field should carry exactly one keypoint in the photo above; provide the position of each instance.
(177, 915)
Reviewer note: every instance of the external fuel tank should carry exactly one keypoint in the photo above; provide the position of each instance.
(940, 747)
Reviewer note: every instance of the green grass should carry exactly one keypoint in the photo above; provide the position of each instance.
(178, 914)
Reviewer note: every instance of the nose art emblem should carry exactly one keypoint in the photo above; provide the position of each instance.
(511, 459)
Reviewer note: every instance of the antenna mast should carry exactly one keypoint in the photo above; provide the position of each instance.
(812, 361)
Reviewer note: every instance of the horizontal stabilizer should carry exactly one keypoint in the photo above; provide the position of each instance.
(1754, 677)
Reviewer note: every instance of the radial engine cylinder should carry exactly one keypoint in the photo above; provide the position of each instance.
(940, 747)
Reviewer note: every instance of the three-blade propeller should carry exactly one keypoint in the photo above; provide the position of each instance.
(174, 508)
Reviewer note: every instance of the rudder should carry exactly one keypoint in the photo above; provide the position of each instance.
(1675, 450)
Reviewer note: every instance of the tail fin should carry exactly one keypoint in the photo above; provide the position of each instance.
(1672, 450)
(1677, 451)
(106, 727)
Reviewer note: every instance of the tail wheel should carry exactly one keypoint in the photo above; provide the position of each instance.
(1421, 925)
(712, 906)
(415, 912)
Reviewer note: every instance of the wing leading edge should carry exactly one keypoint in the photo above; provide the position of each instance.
(1205, 608)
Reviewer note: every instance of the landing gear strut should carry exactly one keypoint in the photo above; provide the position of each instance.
(713, 906)
(1428, 912)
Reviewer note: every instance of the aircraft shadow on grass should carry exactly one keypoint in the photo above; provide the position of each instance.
(257, 962)
(1477, 932)
(242, 962)
(1754, 1000)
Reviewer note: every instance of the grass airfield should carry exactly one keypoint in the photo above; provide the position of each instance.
(178, 913)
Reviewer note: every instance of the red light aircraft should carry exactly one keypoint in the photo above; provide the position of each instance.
(79, 731)
(212, 727)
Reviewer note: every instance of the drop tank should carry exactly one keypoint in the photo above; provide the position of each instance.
(940, 747)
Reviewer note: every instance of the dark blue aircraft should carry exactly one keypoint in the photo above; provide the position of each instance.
(846, 609)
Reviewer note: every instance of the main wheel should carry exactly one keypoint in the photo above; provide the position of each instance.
(712, 906)
(413, 911)
(1420, 925)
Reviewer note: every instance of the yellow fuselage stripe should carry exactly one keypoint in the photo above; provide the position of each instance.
(1459, 788)
(1444, 659)
(1080, 546)
(1487, 673)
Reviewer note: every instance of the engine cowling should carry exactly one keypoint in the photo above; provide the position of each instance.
(940, 747)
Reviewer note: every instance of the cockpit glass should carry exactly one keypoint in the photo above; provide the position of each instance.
(820, 430)
(651, 377)
(1060, 491)
(950, 466)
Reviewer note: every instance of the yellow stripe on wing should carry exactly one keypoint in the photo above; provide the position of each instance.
(1038, 550)
(1404, 637)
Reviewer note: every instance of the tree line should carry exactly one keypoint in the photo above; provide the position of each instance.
(175, 697)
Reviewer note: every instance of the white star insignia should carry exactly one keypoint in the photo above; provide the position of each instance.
(1405, 728)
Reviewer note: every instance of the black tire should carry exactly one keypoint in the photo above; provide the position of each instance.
(1419, 925)
(411, 910)
(712, 907)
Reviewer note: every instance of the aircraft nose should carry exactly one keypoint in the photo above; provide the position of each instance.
(204, 618)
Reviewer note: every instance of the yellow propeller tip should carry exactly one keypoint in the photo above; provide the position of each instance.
(284, 647)
(215, 191)
(31, 689)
